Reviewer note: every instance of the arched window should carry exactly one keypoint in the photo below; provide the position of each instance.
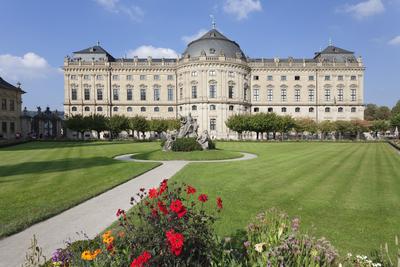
(283, 109)
(180, 108)
(194, 107)
(353, 109)
(327, 109)
(256, 109)
(170, 109)
(156, 109)
(297, 109)
(143, 109)
(270, 110)
(74, 109)
(87, 108)
(129, 109)
(213, 107)
(213, 89)
(115, 109)
(340, 109)
(99, 109)
(231, 107)
(311, 110)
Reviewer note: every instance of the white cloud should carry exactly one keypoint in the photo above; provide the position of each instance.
(188, 38)
(242, 8)
(395, 41)
(132, 11)
(29, 66)
(156, 52)
(364, 9)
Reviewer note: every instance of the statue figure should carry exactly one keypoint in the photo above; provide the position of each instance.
(170, 139)
(188, 127)
(203, 139)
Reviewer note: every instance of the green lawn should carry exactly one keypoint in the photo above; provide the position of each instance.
(39, 180)
(346, 192)
(194, 155)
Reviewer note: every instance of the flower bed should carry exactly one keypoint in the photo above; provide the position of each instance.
(170, 227)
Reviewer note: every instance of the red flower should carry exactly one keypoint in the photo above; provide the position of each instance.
(163, 187)
(153, 193)
(154, 212)
(175, 241)
(141, 259)
(190, 190)
(110, 247)
(203, 198)
(162, 207)
(121, 212)
(177, 207)
(219, 202)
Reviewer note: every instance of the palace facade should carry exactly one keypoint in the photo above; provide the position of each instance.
(212, 80)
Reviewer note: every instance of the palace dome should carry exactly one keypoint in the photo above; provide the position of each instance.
(213, 43)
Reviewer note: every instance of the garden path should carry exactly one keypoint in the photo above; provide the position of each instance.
(90, 217)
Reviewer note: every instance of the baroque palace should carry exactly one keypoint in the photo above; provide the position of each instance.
(212, 80)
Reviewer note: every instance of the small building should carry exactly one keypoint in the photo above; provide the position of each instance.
(10, 110)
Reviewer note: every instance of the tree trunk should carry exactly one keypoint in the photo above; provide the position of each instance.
(257, 133)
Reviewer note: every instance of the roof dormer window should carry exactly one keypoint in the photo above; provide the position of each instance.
(212, 51)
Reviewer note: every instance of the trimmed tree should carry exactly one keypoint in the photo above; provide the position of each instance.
(97, 123)
(77, 123)
(117, 124)
(285, 124)
(238, 123)
(326, 127)
(139, 124)
(159, 126)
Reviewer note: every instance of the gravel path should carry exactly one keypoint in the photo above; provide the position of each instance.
(90, 217)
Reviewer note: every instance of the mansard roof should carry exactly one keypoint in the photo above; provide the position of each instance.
(97, 49)
(8, 86)
(335, 50)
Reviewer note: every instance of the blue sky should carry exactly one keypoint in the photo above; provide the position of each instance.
(37, 35)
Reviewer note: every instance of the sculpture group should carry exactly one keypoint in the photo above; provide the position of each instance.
(188, 129)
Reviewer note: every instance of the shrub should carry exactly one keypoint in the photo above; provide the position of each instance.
(168, 227)
(274, 240)
(186, 144)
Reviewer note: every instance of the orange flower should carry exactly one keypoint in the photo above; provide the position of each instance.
(87, 255)
(107, 234)
(108, 240)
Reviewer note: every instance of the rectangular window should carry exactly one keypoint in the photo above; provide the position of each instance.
(4, 126)
(115, 77)
(283, 78)
(340, 77)
(115, 94)
(311, 95)
(340, 94)
(311, 78)
(283, 95)
(230, 91)
(170, 94)
(99, 77)
(12, 105)
(86, 77)
(99, 94)
(255, 77)
(142, 77)
(297, 78)
(327, 94)
(213, 124)
(74, 94)
(12, 127)
(73, 77)
(129, 77)
(269, 94)
(156, 77)
(353, 78)
(213, 91)
(4, 104)
(327, 78)
(269, 78)
(129, 94)
(142, 94)
(256, 94)
(194, 91)
(87, 94)
(156, 94)
(170, 77)
(297, 95)
(353, 95)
